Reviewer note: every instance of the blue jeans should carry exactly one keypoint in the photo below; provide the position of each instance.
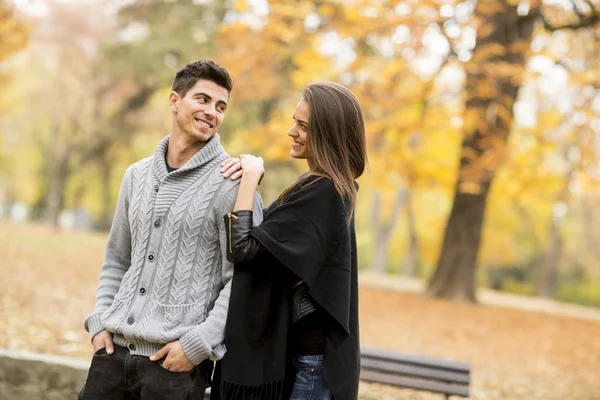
(310, 381)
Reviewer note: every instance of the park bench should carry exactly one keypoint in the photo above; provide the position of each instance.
(433, 375)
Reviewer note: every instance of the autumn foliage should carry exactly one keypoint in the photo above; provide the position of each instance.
(482, 118)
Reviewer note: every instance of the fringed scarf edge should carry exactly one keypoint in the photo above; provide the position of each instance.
(266, 391)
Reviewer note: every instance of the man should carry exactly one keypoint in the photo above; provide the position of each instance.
(164, 285)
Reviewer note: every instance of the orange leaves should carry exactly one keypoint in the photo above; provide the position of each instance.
(486, 29)
(487, 52)
(13, 33)
(520, 46)
(490, 8)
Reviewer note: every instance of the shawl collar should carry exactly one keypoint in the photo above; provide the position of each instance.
(209, 152)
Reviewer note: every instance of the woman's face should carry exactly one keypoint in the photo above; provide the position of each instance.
(299, 130)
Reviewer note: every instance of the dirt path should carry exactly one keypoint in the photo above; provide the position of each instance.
(484, 296)
(514, 354)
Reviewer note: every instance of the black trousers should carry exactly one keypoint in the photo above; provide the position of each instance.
(122, 376)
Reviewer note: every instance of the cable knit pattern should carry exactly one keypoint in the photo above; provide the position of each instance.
(165, 276)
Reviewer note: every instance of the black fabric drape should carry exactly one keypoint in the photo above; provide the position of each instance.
(309, 235)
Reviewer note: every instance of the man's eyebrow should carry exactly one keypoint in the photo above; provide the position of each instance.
(209, 97)
(201, 94)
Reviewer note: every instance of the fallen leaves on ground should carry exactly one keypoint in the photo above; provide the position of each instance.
(49, 278)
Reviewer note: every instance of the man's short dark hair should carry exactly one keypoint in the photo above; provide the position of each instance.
(187, 76)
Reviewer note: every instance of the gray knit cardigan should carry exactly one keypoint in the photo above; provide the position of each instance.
(165, 275)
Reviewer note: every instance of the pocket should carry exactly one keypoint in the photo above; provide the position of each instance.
(100, 351)
(306, 363)
(160, 363)
(178, 319)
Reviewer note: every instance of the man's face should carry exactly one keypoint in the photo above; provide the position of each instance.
(200, 112)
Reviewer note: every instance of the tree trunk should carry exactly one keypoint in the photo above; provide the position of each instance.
(383, 230)
(412, 257)
(503, 39)
(548, 273)
(58, 181)
(547, 279)
(454, 277)
(589, 223)
(107, 204)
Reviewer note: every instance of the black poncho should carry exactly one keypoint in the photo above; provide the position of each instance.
(308, 235)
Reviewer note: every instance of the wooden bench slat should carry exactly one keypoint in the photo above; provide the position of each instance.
(412, 383)
(411, 370)
(414, 359)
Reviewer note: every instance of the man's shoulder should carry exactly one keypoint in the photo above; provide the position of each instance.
(227, 188)
(142, 164)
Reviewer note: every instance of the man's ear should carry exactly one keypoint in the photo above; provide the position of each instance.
(174, 100)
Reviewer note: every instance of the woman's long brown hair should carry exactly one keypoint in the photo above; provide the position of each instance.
(335, 142)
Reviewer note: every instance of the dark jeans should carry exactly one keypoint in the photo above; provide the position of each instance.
(310, 381)
(121, 376)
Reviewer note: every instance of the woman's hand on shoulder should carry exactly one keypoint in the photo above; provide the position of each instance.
(252, 165)
(232, 168)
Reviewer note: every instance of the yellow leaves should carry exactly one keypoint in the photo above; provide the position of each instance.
(241, 6)
(354, 15)
(326, 10)
(295, 10)
(311, 65)
(589, 77)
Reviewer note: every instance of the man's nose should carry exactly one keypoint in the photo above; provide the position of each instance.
(210, 111)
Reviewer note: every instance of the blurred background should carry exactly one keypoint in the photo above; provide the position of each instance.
(483, 125)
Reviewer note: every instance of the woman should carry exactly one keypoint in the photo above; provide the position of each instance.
(294, 295)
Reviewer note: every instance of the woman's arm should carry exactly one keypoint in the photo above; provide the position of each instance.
(242, 246)
(252, 171)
